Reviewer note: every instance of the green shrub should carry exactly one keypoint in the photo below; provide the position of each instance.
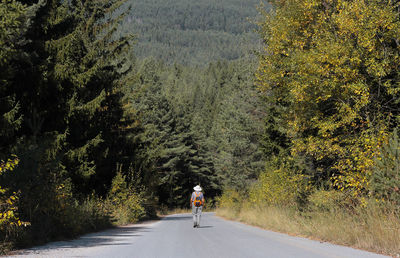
(385, 180)
(125, 204)
(277, 186)
(231, 199)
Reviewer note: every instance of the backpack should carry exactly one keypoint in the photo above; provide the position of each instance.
(197, 200)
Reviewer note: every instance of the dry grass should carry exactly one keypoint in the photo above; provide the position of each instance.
(370, 229)
(165, 211)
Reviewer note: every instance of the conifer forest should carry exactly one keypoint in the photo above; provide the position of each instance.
(112, 110)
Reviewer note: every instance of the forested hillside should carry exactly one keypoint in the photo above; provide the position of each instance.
(193, 32)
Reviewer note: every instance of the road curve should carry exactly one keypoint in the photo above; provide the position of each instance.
(175, 237)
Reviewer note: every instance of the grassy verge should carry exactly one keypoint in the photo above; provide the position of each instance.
(370, 229)
(165, 211)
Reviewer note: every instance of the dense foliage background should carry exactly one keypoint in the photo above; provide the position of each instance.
(197, 126)
(113, 109)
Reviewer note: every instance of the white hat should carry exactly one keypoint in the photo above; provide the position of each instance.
(197, 188)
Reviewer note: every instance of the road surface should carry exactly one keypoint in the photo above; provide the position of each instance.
(175, 237)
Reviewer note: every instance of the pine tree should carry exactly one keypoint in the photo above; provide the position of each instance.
(237, 127)
(12, 31)
(94, 108)
(67, 91)
(42, 97)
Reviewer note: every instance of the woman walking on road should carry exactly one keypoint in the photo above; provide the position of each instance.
(197, 202)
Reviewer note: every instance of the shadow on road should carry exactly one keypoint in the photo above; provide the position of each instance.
(121, 236)
(111, 237)
(180, 217)
(205, 227)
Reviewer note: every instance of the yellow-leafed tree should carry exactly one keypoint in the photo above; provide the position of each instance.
(332, 69)
(8, 206)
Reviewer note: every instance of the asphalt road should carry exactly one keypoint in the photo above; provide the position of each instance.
(174, 236)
